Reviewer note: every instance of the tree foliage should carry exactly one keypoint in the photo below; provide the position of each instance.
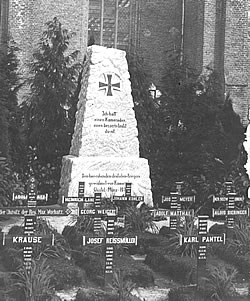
(10, 134)
(9, 85)
(49, 112)
(195, 137)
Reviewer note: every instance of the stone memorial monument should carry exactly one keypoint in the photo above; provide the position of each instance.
(104, 152)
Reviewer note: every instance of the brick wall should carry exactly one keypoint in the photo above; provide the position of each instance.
(27, 19)
(236, 56)
(158, 18)
(193, 32)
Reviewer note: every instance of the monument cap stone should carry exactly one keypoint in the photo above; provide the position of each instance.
(105, 147)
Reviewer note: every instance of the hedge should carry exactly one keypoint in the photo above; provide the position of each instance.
(180, 269)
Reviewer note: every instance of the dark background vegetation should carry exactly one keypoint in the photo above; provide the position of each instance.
(190, 133)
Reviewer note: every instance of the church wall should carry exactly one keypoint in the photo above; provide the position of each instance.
(193, 33)
(160, 32)
(236, 57)
(27, 19)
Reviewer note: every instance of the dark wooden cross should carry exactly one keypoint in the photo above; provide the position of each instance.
(109, 86)
(109, 241)
(230, 211)
(202, 239)
(176, 199)
(30, 213)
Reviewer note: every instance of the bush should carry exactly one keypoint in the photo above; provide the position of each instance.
(176, 294)
(136, 272)
(165, 231)
(35, 285)
(219, 283)
(94, 268)
(241, 262)
(155, 259)
(181, 269)
(65, 273)
(9, 182)
(11, 258)
(145, 241)
(218, 229)
(138, 220)
(90, 294)
(121, 286)
(72, 236)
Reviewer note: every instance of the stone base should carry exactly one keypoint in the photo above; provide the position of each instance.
(106, 175)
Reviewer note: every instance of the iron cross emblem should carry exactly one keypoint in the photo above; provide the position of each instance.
(108, 86)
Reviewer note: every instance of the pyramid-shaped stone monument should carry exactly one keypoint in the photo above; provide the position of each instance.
(105, 149)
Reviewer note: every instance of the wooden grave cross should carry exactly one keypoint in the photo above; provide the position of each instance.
(230, 211)
(109, 241)
(176, 199)
(30, 213)
(127, 197)
(98, 211)
(202, 239)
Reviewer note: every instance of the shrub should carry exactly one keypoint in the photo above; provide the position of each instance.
(155, 259)
(179, 269)
(35, 285)
(134, 271)
(138, 220)
(219, 283)
(145, 241)
(165, 231)
(242, 263)
(90, 294)
(218, 229)
(188, 229)
(94, 268)
(65, 273)
(8, 182)
(49, 111)
(121, 286)
(175, 294)
(11, 258)
(72, 236)
(240, 242)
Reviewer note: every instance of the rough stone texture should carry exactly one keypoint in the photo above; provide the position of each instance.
(106, 175)
(109, 127)
(105, 148)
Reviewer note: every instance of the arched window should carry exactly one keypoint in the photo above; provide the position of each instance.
(113, 23)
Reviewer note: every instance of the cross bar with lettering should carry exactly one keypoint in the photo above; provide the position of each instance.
(38, 211)
(202, 239)
(230, 211)
(30, 214)
(109, 241)
(24, 197)
(175, 200)
(167, 213)
(27, 239)
(128, 197)
(97, 211)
